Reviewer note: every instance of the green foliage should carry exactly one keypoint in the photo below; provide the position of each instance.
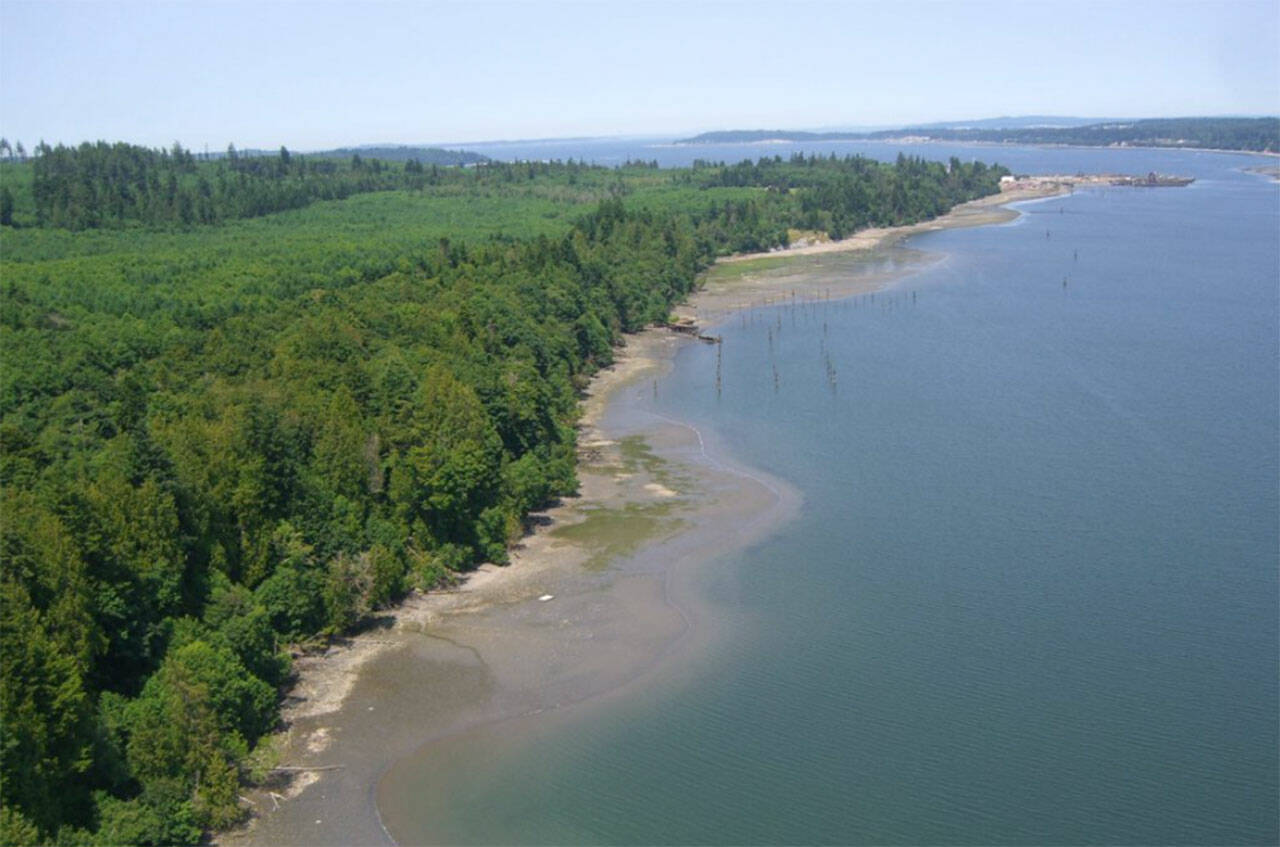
(238, 621)
(139, 822)
(16, 830)
(44, 709)
(224, 435)
(187, 732)
(6, 206)
(292, 600)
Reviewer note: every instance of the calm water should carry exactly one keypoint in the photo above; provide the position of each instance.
(1032, 597)
(612, 152)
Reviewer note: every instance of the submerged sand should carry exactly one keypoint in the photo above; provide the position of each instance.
(593, 599)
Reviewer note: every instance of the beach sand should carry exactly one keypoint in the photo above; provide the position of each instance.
(560, 624)
(593, 599)
(823, 270)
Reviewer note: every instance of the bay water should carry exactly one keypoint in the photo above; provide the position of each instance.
(1031, 596)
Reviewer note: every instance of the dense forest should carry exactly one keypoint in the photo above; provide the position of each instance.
(1253, 134)
(245, 403)
(118, 185)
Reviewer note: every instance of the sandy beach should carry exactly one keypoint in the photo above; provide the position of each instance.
(836, 269)
(595, 598)
(559, 625)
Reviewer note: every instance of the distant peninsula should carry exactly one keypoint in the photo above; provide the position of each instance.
(439, 156)
(1260, 135)
(403, 153)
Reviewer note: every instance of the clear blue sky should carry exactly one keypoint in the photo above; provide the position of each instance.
(321, 74)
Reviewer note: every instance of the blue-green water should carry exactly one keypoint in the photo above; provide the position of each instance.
(1032, 594)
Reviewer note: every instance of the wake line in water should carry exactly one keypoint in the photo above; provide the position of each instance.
(720, 466)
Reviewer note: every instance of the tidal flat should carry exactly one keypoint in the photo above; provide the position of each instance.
(1029, 597)
(594, 603)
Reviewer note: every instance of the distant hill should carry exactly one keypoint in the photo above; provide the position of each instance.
(398, 153)
(1020, 122)
(1252, 134)
(751, 136)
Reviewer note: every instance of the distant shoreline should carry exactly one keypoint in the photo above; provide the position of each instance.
(914, 139)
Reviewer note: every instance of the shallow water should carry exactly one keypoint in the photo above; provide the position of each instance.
(1031, 596)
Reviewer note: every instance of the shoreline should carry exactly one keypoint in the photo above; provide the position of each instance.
(751, 280)
(549, 632)
(980, 212)
(466, 654)
(911, 140)
(325, 681)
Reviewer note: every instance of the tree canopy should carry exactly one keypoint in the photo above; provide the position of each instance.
(246, 403)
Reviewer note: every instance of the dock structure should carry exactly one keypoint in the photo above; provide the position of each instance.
(686, 326)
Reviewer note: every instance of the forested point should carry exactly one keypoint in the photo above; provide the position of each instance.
(245, 403)
(1251, 134)
(405, 153)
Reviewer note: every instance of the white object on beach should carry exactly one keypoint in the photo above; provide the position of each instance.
(545, 597)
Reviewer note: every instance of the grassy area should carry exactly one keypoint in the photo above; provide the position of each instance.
(612, 533)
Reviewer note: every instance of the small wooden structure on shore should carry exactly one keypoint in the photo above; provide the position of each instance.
(686, 326)
(1154, 180)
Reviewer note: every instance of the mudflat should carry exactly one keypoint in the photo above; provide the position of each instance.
(594, 599)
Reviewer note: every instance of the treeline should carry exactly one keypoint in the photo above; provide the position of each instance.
(116, 185)
(213, 453)
(842, 195)
(1252, 134)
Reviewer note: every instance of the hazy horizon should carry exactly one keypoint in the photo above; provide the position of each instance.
(827, 127)
(655, 136)
(320, 75)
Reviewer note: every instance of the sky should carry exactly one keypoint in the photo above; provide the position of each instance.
(314, 75)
